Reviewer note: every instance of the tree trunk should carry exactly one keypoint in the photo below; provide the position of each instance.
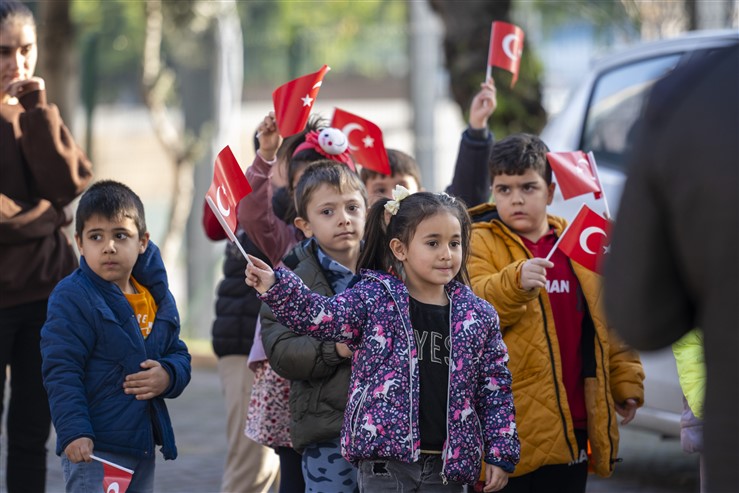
(58, 61)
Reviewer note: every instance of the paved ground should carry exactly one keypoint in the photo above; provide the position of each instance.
(650, 465)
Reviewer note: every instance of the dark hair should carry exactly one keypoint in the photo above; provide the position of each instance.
(400, 164)
(413, 210)
(519, 153)
(295, 163)
(325, 172)
(112, 200)
(14, 10)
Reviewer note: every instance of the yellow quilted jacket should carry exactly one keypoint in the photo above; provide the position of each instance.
(542, 412)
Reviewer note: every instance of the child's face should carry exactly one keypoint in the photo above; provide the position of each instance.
(434, 255)
(336, 220)
(522, 202)
(111, 248)
(380, 186)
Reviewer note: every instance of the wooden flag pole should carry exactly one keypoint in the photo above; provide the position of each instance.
(125, 469)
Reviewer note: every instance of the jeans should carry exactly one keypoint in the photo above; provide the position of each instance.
(87, 477)
(393, 475)
(29, 420)
(326, 471)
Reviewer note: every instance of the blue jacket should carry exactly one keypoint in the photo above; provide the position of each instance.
(381, 417)
(91, 340)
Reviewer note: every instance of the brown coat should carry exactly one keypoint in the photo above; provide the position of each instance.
(42, 170)
(542, 413)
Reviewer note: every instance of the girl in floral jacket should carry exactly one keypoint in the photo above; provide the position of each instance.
(430, 394)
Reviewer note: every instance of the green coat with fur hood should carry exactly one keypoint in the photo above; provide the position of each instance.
(613, 373)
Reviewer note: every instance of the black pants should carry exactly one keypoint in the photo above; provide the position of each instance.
(291, 470)
(559, 478)
(28, 418)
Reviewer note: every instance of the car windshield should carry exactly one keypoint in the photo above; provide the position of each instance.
(615, 105)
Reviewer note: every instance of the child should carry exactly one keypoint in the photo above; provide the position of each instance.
(110, 346)
(404, 171)
(569, 372)
(425, 348)
(691, 370)
(331, 205)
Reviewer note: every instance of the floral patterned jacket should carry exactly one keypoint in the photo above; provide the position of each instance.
(381, 417)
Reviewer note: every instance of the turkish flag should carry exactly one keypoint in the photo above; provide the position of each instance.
(365, 141)
(116, 478)
(294, 100)
(576, 174)
(228, 187)
(586, 239)
(506, 46)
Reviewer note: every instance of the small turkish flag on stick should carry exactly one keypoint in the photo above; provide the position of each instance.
(229, 186)
(365, 141)
(293, 101)
(506, 47)
(115, 478)
(585, 240)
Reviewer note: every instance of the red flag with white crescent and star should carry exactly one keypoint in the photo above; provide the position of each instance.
(365, 141)
(294, 100)
(228, 187)
(506, 47)
(576, 174)
(115, 478)
(586, 240)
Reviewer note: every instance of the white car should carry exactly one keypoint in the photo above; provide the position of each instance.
(599, 117)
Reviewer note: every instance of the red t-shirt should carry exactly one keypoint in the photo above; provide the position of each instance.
(567, 308)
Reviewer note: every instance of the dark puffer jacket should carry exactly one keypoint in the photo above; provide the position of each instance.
(319, 376)
(237, 306)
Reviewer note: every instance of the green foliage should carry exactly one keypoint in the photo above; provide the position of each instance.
(117, 28)
(284, 39)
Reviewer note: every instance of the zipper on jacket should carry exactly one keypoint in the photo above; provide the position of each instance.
(356, 411)
(605, 392)
(448, 392)
(409, 334)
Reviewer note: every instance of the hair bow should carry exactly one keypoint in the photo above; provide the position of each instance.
(399, 194)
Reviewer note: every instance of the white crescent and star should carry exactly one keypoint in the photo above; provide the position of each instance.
(307, 100)
(508, 41)
(113, 488)
(226, 211)
(348, 129)
(586, 234)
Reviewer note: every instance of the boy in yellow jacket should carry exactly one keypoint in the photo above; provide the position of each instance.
(570, 373)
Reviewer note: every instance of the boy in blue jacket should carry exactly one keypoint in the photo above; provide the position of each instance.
(110, 346)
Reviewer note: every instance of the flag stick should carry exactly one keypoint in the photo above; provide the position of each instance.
(556, 244)
(129, 471)
(591, 156)
(225, 227)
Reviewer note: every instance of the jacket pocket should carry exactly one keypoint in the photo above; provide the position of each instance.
(109, 384)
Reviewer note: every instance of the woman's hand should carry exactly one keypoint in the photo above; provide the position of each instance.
(20, 87)
(259, 275)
